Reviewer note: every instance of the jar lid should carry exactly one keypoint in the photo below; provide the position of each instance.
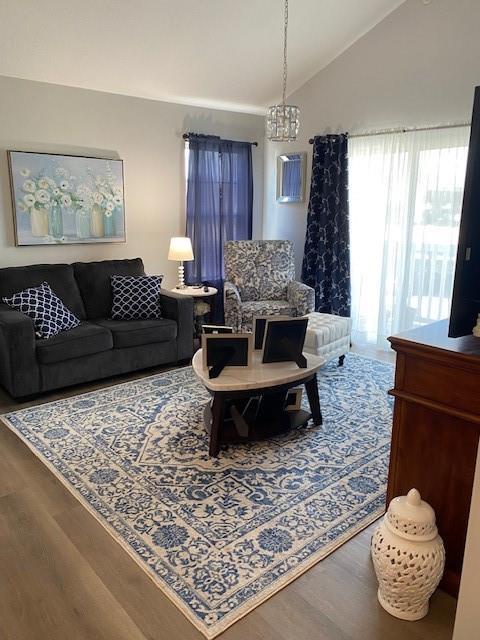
(411, 517)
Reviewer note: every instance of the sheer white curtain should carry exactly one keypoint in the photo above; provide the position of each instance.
(405, 192)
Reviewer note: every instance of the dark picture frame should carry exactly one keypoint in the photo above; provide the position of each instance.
(227, 350)
(259, 324)
(284, 340)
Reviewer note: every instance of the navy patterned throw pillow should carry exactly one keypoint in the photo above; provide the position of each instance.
(50, 316)
(136, 297)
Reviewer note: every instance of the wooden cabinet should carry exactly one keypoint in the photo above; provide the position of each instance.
(436, 428)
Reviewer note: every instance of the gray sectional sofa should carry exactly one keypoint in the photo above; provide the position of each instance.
(99, 347)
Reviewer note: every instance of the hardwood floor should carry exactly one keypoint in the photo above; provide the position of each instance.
(62, 576)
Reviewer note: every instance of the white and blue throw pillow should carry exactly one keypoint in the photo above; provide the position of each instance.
(136, 297)
(50, 316)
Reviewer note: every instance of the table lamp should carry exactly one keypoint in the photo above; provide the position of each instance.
(180, 250)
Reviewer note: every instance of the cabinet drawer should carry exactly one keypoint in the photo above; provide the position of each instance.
(450, 385)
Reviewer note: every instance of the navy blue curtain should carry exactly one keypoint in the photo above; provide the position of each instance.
(219, 206)
(326, 260)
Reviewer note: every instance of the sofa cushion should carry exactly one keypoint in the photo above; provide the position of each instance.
(60, 277)
(136, 297)
(50, 316)
(132, 333)
(93, 280)
(84, 340)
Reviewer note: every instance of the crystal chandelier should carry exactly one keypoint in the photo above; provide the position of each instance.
(282, 119)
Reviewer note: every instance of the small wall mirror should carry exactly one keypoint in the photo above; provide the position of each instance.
(291, 177)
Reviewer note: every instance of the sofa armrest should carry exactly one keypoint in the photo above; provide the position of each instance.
(301, 297)
(179, 308)
(19, 371)
(232, 304)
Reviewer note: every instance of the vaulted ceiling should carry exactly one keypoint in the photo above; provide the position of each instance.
(216, 53)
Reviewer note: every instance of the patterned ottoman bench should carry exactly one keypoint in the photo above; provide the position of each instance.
(328, 336)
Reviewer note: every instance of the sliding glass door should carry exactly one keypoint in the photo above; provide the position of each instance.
(406, 194)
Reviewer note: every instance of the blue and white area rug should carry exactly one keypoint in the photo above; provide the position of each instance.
(219, 536)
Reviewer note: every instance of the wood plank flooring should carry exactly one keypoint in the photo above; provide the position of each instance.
(62, 576)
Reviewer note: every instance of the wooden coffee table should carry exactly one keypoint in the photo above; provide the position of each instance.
(248, 402)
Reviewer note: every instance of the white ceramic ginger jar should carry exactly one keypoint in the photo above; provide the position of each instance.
(408, 556)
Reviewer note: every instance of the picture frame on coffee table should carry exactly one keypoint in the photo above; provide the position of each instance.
(216, 329)
(284, 340)
(259, 324)
(234, 349)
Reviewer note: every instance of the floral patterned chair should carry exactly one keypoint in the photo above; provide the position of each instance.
(260, 281)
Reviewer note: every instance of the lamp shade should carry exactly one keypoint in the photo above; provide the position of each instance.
(180, 249)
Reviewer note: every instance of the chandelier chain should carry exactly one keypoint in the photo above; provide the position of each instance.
(282, 120)
(285, 29)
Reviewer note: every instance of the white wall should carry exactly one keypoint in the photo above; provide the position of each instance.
(146, 134)
(467, 621)
(419, 66)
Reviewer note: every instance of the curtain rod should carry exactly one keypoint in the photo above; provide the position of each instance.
(186, 136)
(404, 130)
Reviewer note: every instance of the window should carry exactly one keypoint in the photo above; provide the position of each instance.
(218, 205)
(406, 194)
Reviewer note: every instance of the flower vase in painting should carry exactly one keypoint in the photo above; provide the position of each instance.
(108, 201)
(117, 221)
(97, 227)
(55, 221)
(82, 223)
(109, 224)
(39, 223)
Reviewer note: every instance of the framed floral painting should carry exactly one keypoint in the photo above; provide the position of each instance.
(60, 199)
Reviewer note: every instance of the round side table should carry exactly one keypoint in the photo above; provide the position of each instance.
(201, 303)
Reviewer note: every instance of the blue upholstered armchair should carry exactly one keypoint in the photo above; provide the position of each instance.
(260, 281)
